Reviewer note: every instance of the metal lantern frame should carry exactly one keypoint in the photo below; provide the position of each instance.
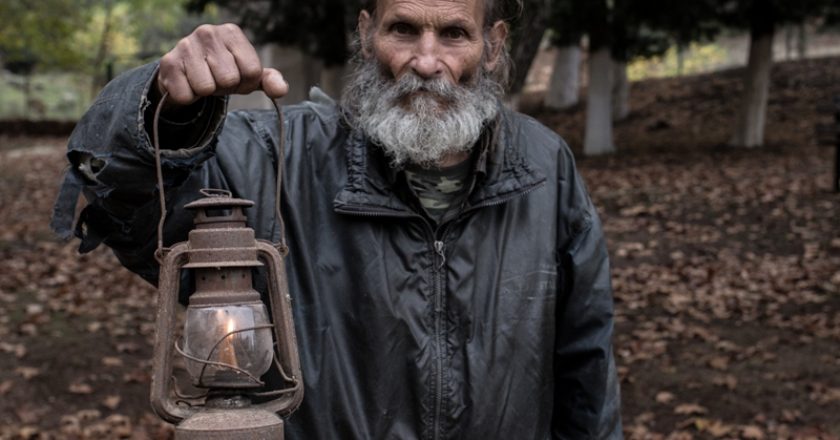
(222, 243)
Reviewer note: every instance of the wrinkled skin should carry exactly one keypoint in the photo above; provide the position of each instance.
(432, 38)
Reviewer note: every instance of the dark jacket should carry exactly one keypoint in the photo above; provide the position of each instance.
(495, 325)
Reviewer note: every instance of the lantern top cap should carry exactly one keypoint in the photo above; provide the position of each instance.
(217, 198)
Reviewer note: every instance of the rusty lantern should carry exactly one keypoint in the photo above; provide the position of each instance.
(233, 335)
(229, 341)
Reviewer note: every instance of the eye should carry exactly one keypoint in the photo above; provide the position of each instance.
(454, 33)
(402, 28)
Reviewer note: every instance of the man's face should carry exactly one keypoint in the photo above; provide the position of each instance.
(422, 87)
(430, 38)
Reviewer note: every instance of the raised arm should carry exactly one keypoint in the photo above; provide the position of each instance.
(112, 158)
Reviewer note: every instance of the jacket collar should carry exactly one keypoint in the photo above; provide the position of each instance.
(501, 171)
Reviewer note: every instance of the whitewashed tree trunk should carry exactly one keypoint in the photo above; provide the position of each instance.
(681, 52)
(620, 91)
(749, 127)
(802, 41)
(564, 85)
(598, 138)
(789, 30)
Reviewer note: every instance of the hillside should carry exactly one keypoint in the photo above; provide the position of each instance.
(726, 271)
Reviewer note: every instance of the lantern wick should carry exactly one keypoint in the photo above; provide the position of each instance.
(227, 353)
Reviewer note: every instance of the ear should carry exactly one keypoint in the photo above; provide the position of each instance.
(497, 37)
(365, 21)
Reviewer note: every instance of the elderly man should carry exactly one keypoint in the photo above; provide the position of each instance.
(448, 270)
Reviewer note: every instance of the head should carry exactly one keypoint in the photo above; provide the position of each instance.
(428, 76)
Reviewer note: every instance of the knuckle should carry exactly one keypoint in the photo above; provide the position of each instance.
(186, 45)
(204, 31)
(204, 88)
(251, 71)
(180, 95)
(168, 62)
(227, 80)
(231, 27)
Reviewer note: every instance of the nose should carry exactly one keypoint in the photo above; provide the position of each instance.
(426, 61)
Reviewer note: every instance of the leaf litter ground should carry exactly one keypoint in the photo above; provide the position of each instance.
(726, 269)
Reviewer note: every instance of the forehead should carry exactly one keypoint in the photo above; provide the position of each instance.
(432, 10)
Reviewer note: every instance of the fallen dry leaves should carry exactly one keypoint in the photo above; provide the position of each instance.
(75, 331)
(726, 273)
(726, 264)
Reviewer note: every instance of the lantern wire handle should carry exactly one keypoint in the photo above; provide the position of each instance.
(159, 253)
(281, 159)
(184, 397)
(281, 246)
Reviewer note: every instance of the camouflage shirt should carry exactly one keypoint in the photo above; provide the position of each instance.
(441, 191)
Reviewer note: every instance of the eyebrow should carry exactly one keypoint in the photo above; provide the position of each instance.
(456, 21)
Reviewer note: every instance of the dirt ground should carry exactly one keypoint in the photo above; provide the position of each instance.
(726, 269)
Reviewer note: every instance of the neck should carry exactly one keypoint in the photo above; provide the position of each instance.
(453, 159)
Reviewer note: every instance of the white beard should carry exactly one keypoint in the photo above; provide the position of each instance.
(419, 121)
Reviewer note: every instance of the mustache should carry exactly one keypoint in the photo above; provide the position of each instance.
(410, 85)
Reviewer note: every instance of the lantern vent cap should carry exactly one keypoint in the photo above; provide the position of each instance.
(218, 198)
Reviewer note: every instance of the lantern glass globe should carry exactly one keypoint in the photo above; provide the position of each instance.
(228, 336)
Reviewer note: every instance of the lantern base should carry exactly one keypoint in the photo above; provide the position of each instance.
(230, 424)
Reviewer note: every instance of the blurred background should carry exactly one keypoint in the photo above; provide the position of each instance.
(706, 130)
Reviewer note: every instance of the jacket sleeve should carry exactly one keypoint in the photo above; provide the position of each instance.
(112, 163)
(586, 394)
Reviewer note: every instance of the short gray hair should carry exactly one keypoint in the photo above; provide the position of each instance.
(494, 10)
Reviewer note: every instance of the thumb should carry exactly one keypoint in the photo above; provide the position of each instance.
(273, 84)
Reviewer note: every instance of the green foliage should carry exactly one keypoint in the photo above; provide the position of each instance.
(565, 22)
(696, 58)
(40, 32)
(87, 39)
(80, 36)
(628, 27)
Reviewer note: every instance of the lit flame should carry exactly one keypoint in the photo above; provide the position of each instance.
(227, 354)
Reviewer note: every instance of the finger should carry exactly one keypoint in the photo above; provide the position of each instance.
(172, 79)
(198, 71)
(247, 61)
(219, 59)
(273, 83)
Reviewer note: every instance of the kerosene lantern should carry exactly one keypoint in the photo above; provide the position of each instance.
(229, 340)
(231, 337)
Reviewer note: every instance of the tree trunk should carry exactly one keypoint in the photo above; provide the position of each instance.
(620, 91)
(97, 83)
(598, 138)
(788, 43)
(27, 95)
(564, 86)
(802, 41)
(681, 49)
(526, 41)
(749, 128)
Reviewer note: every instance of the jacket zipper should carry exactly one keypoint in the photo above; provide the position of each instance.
(439, 248)
(440, 261)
